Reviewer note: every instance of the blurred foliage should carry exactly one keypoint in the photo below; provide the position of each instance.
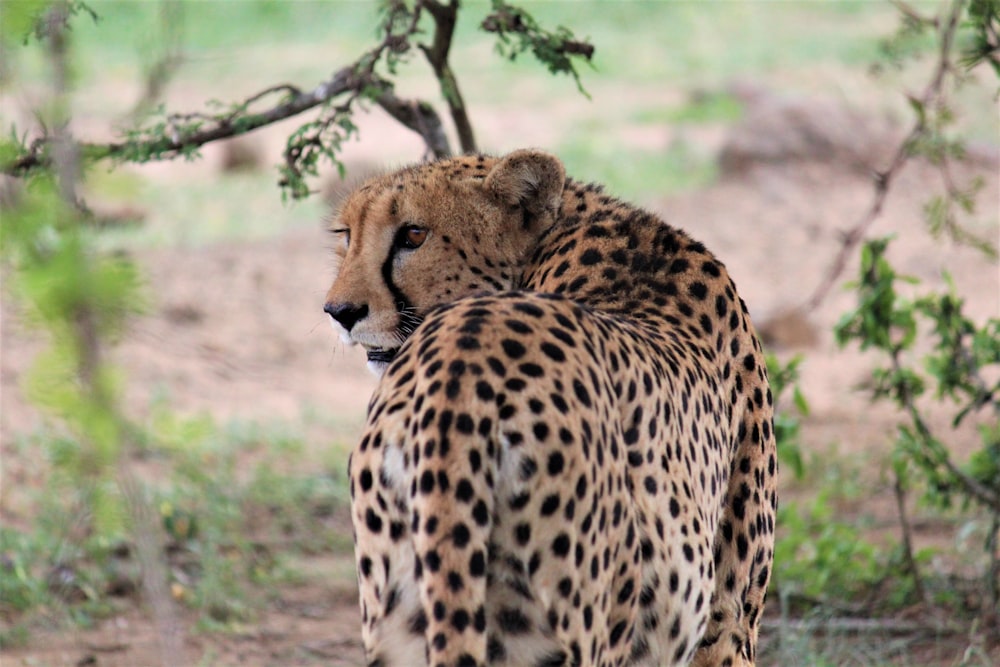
(788, 423)
(518, 32)
(963, 368)
(77, 298)
(962, 358)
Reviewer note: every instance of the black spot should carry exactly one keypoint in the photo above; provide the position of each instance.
(520, 501)
(495, 651)
(675, 508)
(460, 621)
(484, 391)
(678, 266)
(650, 484)
(392, 599)
(556, 463)
(529, 309)
(541, 431)
(460, 535)
(681, 650)
(512, 348)
(517, 326)
(560, 545)
(590, 257)
(464, 491)
(465, 424)
(550, 505)
(626, 592)
(373, 521)
(396, 530)
(581, 393)
(698, 290)
(477, 564)
(467, 343)
(426, 482)
(418, 623)
(554, 352)
(721, 306)
(531, 370)
(742, 546)
(480, 514)
(513, 621)
(617, 632)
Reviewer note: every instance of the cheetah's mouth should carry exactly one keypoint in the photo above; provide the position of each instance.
(382, 355)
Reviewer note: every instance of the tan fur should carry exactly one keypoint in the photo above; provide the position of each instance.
(570, 457)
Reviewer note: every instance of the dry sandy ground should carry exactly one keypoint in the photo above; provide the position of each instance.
(237, 330)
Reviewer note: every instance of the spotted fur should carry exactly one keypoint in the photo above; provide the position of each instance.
(570, 457)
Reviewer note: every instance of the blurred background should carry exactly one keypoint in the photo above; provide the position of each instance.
(756, 126)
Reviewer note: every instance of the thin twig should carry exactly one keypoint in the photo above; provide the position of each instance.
(972, 487)
(904, 524)
(884, 179)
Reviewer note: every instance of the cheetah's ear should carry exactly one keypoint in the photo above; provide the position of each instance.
(530, 179)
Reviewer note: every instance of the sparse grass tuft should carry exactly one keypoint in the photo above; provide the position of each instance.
(237, 504)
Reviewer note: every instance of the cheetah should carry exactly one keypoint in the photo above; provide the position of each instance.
(569, 458)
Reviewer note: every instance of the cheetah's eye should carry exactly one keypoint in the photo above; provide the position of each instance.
(410, 237)
(343, 233)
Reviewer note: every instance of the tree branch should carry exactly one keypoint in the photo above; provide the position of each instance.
(884, 179)
(437, 55)
(420, 117)
(183, 134)
(182, 143)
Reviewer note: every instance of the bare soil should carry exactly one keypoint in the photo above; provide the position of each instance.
(236, 330)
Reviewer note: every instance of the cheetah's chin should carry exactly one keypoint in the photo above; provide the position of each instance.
(379, 359)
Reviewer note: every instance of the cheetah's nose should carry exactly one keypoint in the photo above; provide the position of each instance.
(347, 314)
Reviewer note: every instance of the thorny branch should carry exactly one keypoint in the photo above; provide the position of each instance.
(186, 133)
(181, 135)
(219, 127)
(932, 94)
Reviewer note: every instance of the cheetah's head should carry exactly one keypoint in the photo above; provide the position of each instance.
(430, 234)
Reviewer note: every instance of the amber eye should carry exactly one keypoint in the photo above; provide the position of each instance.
(343, 233)
(410, 237)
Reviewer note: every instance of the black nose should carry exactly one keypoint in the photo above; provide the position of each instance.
(347, 314)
